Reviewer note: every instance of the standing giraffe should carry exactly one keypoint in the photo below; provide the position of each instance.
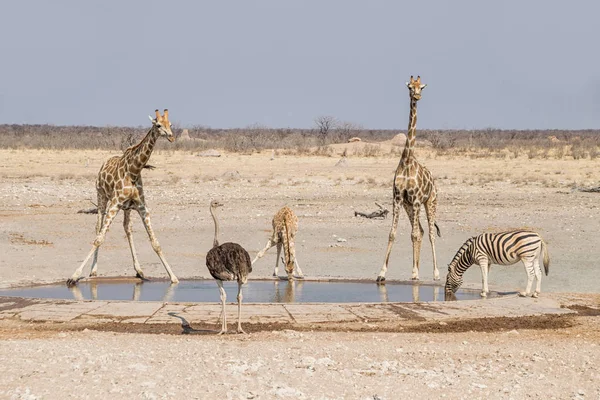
(119, 187)
(413, 187)
(285, 227)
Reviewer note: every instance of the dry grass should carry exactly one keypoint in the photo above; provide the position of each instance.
(474, 144)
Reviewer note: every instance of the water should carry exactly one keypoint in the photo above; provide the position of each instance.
(254, 291)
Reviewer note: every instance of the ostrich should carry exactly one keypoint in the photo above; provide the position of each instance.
(227, 262)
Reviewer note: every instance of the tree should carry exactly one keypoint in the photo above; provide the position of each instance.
(324, 123)
(345, 130)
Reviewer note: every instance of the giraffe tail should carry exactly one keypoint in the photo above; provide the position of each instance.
(546, 258)
(437, 228)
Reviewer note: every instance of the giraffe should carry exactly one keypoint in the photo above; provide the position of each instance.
(119, 187)
(285, 227)
(413, 187)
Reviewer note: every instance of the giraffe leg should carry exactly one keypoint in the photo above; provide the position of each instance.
(239, 299)
(276, 270)
(145, 215)
(99, 222)
(113, 209)
(299, 273)
(261, 253)
(430, 210)
(129, 233)
(538, 276)
(391, 239)
(416, 235)
(223, 314)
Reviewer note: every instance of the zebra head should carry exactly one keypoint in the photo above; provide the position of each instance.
(453, 280)
(459, 264)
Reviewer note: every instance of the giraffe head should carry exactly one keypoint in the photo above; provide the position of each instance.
(163, 125)
(414, 87)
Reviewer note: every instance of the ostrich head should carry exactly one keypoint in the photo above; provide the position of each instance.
(215, 204)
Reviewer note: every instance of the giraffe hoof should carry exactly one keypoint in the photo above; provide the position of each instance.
(72, 282)
(381, 280)
(222, 332)
(535, 295)
(141, 276)
(522, 294)
(241, 331)
(173, 281)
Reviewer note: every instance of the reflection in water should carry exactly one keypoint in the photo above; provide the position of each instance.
(289, 294)
(136, 294)
(416, 292)
(383, 294)
(256, 291)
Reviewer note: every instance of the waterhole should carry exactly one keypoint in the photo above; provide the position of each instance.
(255, 291)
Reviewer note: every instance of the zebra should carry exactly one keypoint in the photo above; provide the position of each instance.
(505, 248)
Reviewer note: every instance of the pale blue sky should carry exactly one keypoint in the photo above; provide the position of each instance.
(505, 64)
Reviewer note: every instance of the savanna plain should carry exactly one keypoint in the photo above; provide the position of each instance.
(43, 239)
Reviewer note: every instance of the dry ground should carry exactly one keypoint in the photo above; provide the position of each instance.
(42, 238)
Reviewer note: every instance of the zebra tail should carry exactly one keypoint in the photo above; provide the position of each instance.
(546, 258)
(437, 228)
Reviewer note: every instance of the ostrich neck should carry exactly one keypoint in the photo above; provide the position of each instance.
(216, 221)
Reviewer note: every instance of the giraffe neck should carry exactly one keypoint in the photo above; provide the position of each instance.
(214, 217)
(137, 156)
(412, 131)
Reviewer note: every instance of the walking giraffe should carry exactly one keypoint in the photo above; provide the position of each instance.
(119, 187)
(413, 187)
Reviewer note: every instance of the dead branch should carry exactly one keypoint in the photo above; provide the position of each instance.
(89, 210)
(379, 214)
(590, 190)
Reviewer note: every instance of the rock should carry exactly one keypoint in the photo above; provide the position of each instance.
(341, 240)
(343, 162)
(209, 153)
(399, 140)
(185, 135)
(354, 139)
(233, 175)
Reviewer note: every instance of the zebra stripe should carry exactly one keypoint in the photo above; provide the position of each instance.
(505, 248)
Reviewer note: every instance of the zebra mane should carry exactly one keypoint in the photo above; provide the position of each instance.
(464, 251)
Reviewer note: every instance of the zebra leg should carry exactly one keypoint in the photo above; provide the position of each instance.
(530, 275)
(484, 277)
(430, 210)
(391, 239)
(538, 277)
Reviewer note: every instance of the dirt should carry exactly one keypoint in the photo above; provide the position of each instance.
(43, 239)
